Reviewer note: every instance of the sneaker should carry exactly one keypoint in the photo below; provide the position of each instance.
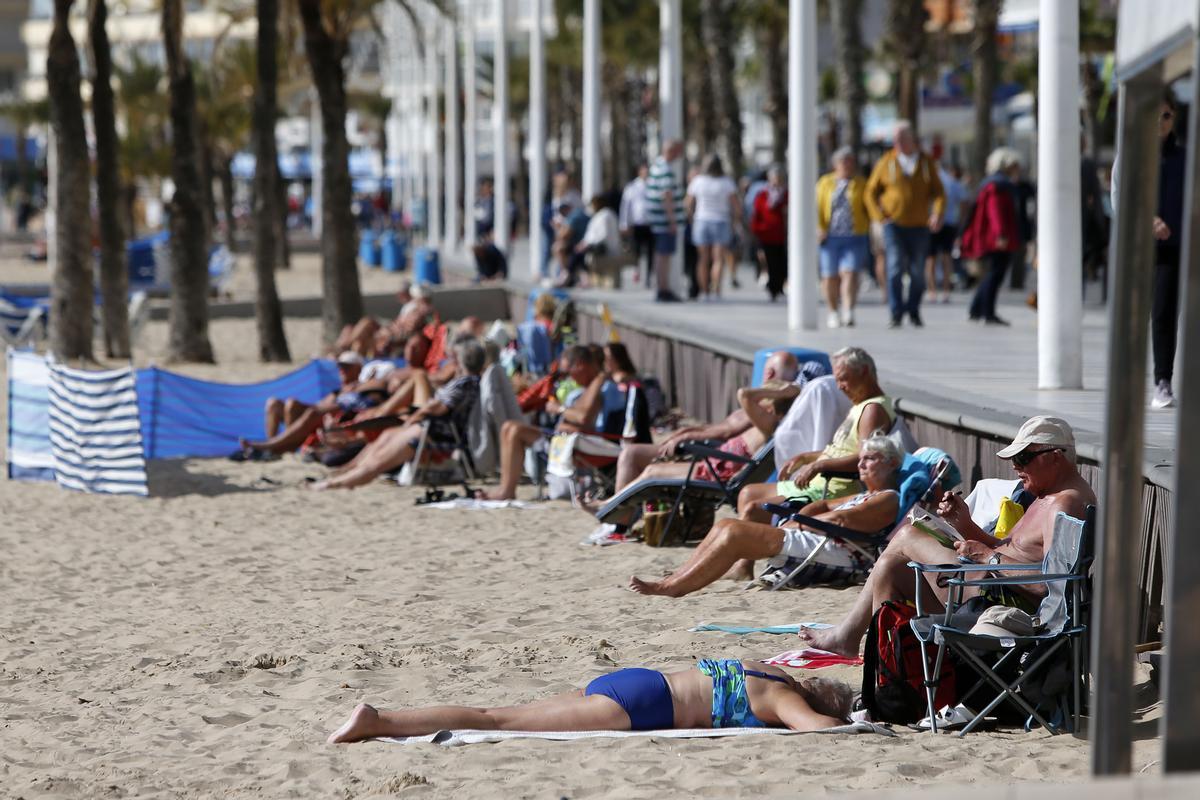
(667, 297)
(833, 321)
(916, 320)
(605, 534)
(847, 319)
(895, 322)
(995, 321)
(1163, 398)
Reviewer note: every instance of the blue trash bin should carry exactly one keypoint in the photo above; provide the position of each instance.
(393, 252)
(426, 268)
(368, 249)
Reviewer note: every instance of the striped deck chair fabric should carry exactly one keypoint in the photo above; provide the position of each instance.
(95, 434)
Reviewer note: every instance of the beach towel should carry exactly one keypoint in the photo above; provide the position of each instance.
(471, 504)
(811, 421)
(740, 629)
(459, 738)
(812, 658)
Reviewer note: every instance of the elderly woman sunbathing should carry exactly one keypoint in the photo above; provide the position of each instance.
(713, 694)
(732, 540)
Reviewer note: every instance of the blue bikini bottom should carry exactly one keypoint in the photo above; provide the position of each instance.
(643, 693)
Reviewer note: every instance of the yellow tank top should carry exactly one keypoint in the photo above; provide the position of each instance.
(845, 442)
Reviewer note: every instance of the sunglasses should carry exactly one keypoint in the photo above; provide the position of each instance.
(1026, 457)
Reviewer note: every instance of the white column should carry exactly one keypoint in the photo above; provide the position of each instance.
(670, 100)
(1060, 299)
(471, 116)
(500, 127)
(432, 120)
(450, 44)
(393, 155)
(404, 101)
(537, 137)
(592, 180)
(316, 143)
(417, 130)
(802, 164)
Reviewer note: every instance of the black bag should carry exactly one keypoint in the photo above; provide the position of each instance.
(893, 687)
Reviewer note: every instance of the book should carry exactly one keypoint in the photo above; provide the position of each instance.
(936, 527)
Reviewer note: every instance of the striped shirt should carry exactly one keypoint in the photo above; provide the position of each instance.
(661, 182)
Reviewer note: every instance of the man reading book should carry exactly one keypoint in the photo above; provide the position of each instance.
(1043, 456)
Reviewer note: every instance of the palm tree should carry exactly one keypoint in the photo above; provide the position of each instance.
(272, 342)
(71, 290)
(188, 338)
(114, 277)
(327, 27)
(719, 33)
(984, 68)
(905, 39)
(770, 23)
(845, 15)
(144, 151)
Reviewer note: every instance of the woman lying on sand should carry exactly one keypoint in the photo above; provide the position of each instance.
(714, 694)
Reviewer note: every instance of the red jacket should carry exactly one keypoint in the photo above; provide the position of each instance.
(994, 217)
(769, 222)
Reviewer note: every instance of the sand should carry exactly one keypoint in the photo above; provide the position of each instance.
(203, 642)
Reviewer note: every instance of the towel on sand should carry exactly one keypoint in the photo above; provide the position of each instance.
(472, 504)
(812, 658)
(739, 629)
(457, 738)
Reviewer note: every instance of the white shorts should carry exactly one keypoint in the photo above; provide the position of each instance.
(800, 544)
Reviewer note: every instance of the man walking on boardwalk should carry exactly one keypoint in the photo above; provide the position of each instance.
(664, 208)
(905, 194)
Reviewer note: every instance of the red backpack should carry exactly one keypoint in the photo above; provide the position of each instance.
(893, 682)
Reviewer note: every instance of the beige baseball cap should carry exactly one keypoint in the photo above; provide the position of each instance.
(1040, 430)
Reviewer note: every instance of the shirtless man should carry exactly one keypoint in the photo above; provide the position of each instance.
(1043, 455)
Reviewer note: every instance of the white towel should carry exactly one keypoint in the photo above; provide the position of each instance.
(458, 738)
(811, 421)
(471, 504)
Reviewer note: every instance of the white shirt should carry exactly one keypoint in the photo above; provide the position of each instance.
(712, 197)
(602, 229)
(908, 164)
(633, 204)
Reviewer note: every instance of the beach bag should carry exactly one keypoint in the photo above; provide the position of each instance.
(692, 521)
(893, 686)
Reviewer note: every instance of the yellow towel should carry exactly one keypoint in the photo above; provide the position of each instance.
(1010, 514)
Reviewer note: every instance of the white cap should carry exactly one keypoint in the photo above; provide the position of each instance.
(350, 357)
(1040, 430)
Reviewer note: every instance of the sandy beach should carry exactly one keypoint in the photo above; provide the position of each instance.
(204, 641)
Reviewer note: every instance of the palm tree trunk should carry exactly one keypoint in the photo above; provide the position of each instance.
(268, 312)
(984, 68)
(846, 16)
(114, 275)
(326, 54)
(71, 291)
(906, 41)
(284, 260)
(225, 178)
(771, 41)
(208, 200)
(188, 337)
(718, 32)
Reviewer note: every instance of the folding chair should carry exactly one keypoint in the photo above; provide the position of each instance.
(625, 505)
(456, 454)
(915, 478)
(22, 320)
(1063, 615)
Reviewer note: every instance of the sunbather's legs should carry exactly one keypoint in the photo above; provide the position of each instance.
(292, 410)
(272, 416)
(572, 711)
(890, 579)
(514, 438)
(751, 498)
(393, 448)
(294, 434)
(633, 459)
(728, 541)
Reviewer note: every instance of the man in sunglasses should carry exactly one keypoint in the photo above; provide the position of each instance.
(1043, 456)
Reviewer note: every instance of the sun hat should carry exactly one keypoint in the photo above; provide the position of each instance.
(1040, 430)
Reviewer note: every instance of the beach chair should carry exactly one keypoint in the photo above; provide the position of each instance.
(915, 477)
(1043, 674)
(536, 348)
(23, 320)
(701, 495)
(435, 465)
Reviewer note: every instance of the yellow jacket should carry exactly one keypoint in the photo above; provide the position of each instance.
(856, 193)
(905, 200)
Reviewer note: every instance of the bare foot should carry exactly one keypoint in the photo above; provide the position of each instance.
(640, 586)
(361, 725)
(742, 570)
(497, 495)
(834, 639)
(320, 486)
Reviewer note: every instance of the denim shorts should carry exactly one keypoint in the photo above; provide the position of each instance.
(707, 232)
(664, 244)
(844, 254)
